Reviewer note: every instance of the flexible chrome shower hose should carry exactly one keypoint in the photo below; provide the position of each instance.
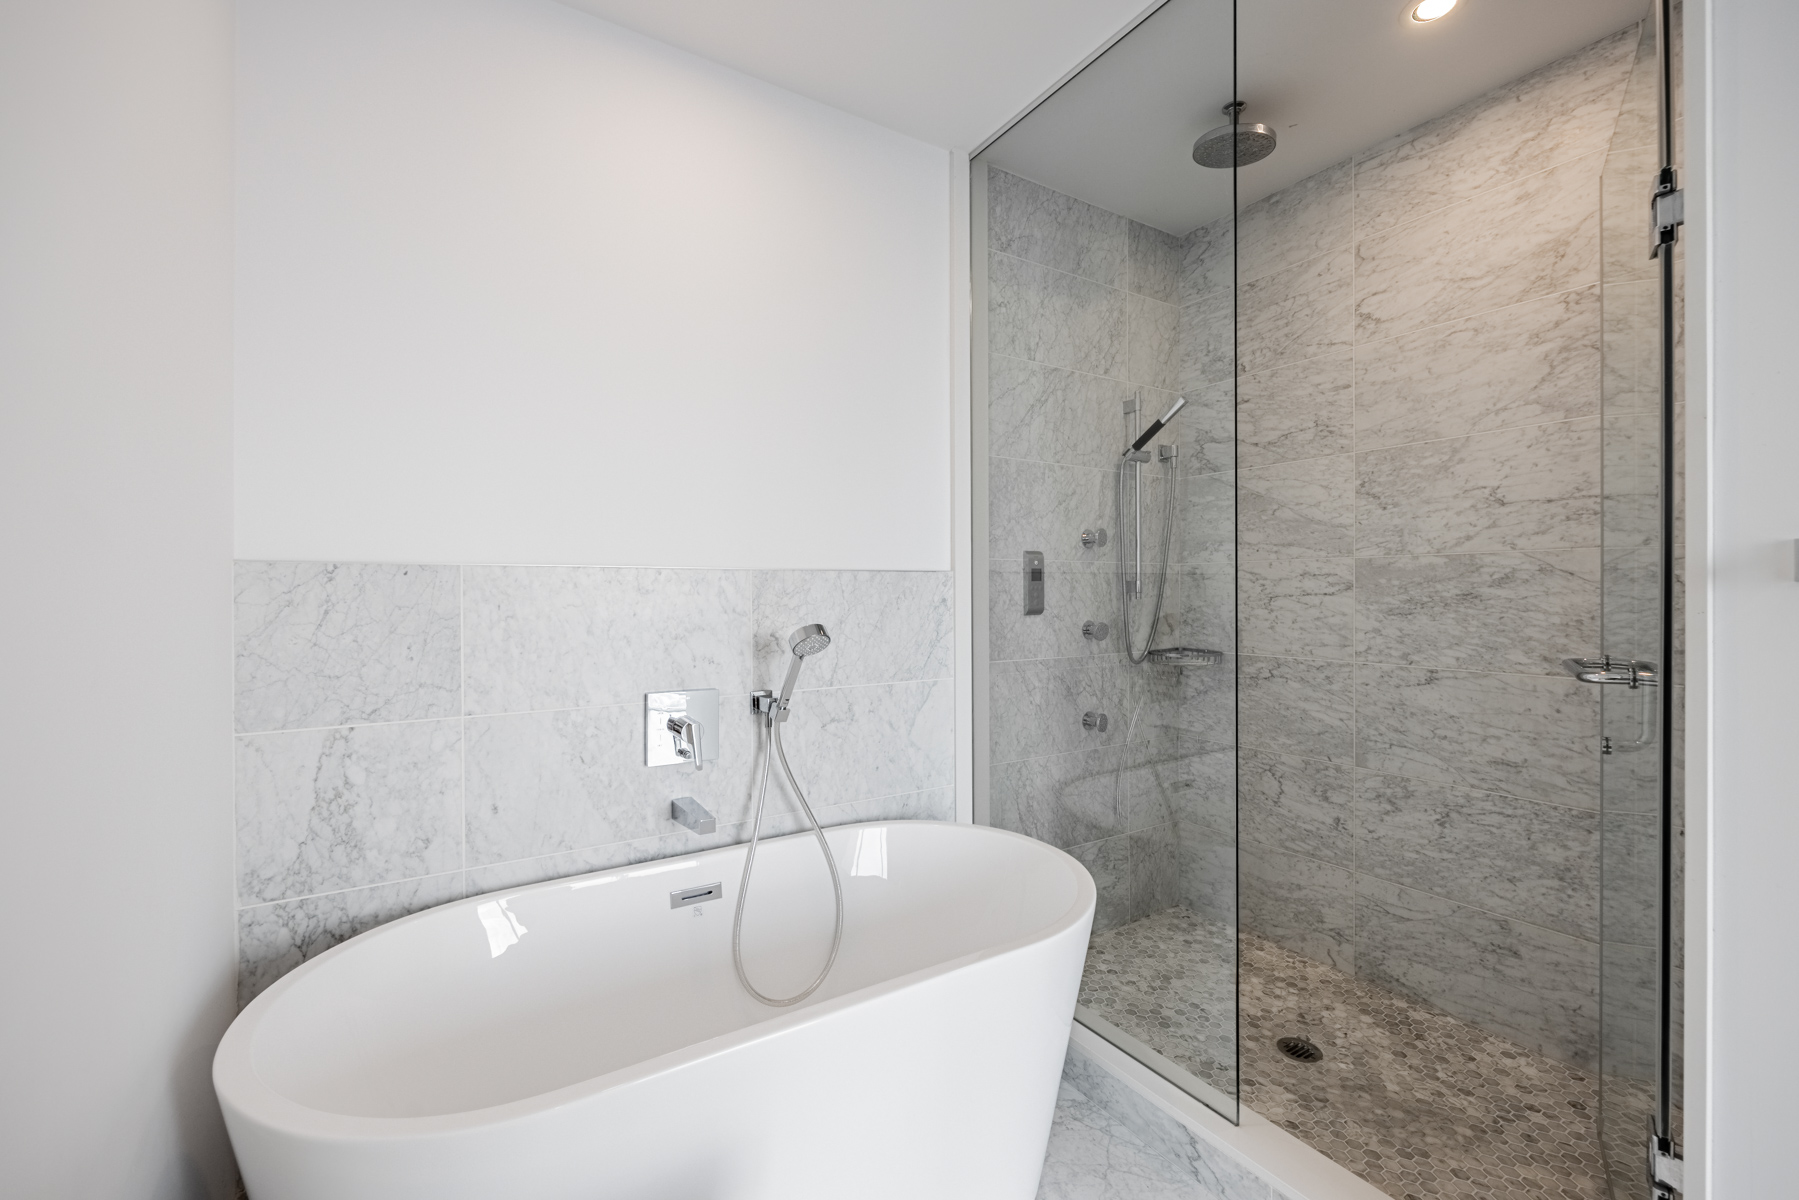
(1124, 595)
(777, 750)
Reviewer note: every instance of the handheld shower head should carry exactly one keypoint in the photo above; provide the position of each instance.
(1180, 402)
(806, 641)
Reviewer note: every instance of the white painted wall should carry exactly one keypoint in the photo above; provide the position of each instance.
(115, 610)
(1743, 915)
(517, 285)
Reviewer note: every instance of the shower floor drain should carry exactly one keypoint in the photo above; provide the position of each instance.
(1299, 1049)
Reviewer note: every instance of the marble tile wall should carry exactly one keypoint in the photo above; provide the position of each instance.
(1419, 482)
(411, 734)
(1084, 315)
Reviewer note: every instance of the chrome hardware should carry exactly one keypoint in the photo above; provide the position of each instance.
(1667, 1170)
(1093, 537)
(1033, 583)
(680, 727)
(685, 810)
(1629, 672)
(1166, 452)
(1186, 656)
(1136, 456)
(1095, 721)
(1667, 212)
(1095, 631)
(682, 897)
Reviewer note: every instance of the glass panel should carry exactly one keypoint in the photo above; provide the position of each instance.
(1631, 590)
(1106, 276)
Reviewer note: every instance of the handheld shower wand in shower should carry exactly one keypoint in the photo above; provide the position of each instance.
(806, 641)
(1149, 434)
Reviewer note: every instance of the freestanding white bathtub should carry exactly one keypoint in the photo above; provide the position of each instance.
(584, 1039)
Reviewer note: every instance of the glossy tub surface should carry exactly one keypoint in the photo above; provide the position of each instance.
(584, 1039)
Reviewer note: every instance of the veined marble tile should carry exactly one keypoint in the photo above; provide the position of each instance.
(1199, 610)
(1297, 805)
(1297, 706)
(1207, 430)
(1535, 986)
(1517, 858)
(1154, 263)
(1298, 312)
(1631, 347)
(1297, 509)
(1152, 335)
(1029, 221)
(1535, 488)
(273, 939)
(1108, 1141)
(1305, 410)
(1207, 707)
(1206, 522)
(1531, 736)
(1630, 177)
(1054, 415)
(1044, 507)
(1632, 874)
(1064, 799)
(1209, 262)
(1155, 871)
(524, 872)
(1208, 872)
(1208, 340)
(1109, 862)
(885, 626)
(550, 782)
(320, 644)
(1297, 607)
(1564, 111)
(1046, 316)
(1519, 241)
(1488, 612)
(1301, 221)
(1639, 115)
(1531, 363)
(1073, 593)
(322, 810)
(572, 637)
(857, 743)
(1300, 903)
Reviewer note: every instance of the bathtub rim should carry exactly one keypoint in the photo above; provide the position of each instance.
(243, 1094)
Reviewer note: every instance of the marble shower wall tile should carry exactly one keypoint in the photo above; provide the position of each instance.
(273, 939)
(1296, 509)
(885, 626)
(1052, 414)
(1535, 488)
(1109, 862)
(1300, 903)
(1517, 858)
(1298, 706)
(1310, 218)
(1517, 242)
(1297, 805)
(1535, 737)
(1047, 316)
(1564, 111)
(1152, 337)
(1073, 593)
(1155, 871)
(1306, 410)
(1297, 607)
(1491, 612)
(1029, 221)
(320, 644)
(1535, 986)
(573, 637)
(1066, 799)
(1297, 312)
(1208, 340)
(858, 743)
(1154, 263)
(1044, 507)
(1525, 365)
(322, 810)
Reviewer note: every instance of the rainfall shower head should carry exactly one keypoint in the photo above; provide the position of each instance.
(806, 641)
(1233, 145)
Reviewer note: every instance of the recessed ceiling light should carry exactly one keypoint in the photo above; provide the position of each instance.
(1430, 10)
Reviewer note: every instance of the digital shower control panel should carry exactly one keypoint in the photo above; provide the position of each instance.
(1033, 583)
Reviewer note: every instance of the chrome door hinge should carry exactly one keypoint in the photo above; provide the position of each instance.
(1667, 1170)
(1667, 212)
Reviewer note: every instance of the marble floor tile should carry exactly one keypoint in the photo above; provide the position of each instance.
(1154, 261)
(1494, 612)
(1295, 313)
(273, 939)
(1304, 410)
(1299, 222)
(1516, 858)
(1029, 221)
(569, 637)
(1561, 112)
(885, 626)
(319, 644)
(1536, 737)
(1535, 488)
(1297, 608)
(1519, 241)
(1527, 984)
(1052, 414)
(1297, 805)
(322, 810)
(1046, 316)
(1524, 365)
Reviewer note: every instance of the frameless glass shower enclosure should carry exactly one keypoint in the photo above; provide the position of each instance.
(1355, 684)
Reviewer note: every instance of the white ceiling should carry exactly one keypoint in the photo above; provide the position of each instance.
(1331, 76)
(949, 72)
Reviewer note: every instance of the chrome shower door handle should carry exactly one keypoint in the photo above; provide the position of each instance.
(1629, 672)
